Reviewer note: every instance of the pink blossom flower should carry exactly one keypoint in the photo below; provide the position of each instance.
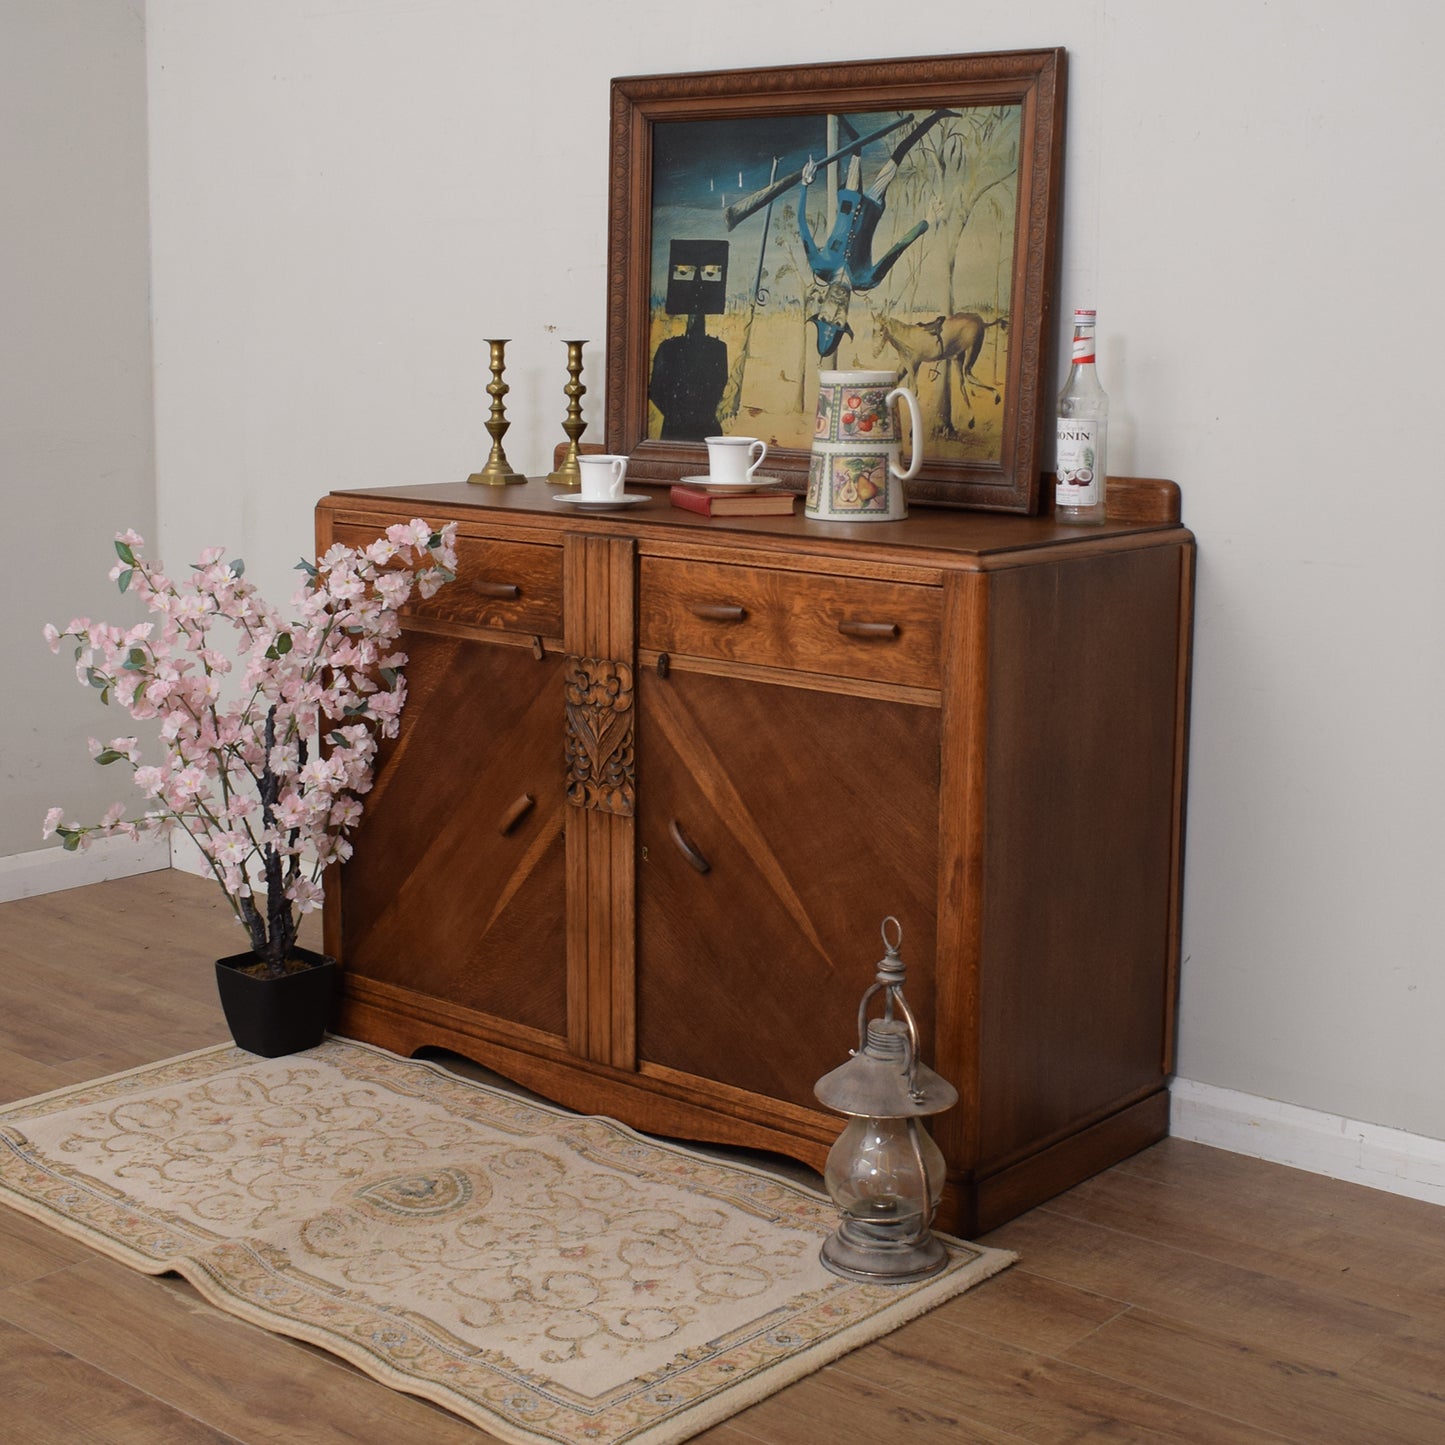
(189, 782)
(305, 894)
(149, 780)
(231, 849)
(306, 709)
(291, 810)
(345, 814)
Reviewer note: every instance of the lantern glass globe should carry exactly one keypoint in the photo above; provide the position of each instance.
(872, 1172)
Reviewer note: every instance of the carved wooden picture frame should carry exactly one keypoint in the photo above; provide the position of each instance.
(921, 240)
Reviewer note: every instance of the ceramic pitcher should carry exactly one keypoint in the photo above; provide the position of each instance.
(855, 474)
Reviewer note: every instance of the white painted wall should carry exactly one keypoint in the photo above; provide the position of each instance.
(345, 200)
(76, 461)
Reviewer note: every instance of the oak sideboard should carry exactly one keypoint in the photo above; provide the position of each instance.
(661, 777)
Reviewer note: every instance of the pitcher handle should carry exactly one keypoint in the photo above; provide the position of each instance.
(915, 422)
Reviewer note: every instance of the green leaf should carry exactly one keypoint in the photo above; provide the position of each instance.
(283, 643)
(106, 756)
(238, 568)
(304, 566)
(123, 579)
(123, 551)
(356, 711)
(435, 540)
(389, 676)
(96, 678)
(71, 841)
(336, 740)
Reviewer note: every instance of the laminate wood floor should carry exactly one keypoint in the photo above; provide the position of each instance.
(1186, 1295)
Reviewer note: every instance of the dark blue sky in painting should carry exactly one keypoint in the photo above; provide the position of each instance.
(694, 161)
(701, 166)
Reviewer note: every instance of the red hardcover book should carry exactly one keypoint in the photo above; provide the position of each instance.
(741, 504)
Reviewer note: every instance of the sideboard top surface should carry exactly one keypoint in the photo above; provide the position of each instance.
(1149, 516)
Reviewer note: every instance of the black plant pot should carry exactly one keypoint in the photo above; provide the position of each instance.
(276, 1016)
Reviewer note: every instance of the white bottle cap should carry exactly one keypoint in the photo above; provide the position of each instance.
(1086, 317)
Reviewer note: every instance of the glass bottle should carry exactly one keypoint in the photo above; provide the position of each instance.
(1083, 433)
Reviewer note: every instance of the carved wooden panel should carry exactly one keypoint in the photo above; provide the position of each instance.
(600, 763)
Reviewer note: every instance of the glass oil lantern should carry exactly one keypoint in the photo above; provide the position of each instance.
(885, 1173)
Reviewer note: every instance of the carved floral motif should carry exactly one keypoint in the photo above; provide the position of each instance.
(601, 771)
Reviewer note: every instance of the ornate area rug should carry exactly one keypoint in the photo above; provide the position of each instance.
(546, 1276)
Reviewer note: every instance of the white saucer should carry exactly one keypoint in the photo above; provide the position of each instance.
(586, 504)
(717, 489)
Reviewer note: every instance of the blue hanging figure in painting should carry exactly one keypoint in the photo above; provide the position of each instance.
(844, 262)
(690, 371)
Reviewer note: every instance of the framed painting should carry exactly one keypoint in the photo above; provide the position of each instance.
(897, 215)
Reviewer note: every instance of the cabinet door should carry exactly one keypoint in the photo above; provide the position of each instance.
(456, 888)
(778, 826)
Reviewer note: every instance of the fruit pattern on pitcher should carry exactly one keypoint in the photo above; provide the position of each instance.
(862, 413)
(854, 483)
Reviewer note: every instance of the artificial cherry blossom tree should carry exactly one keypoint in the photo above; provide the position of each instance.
(265, 755)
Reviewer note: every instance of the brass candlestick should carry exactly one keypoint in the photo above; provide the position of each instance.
(568, 473)
(498, 470)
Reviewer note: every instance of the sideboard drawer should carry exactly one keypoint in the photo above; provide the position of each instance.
(513, 586)
(805, 622)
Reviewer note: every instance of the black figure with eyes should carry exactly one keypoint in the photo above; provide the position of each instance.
(690, 372)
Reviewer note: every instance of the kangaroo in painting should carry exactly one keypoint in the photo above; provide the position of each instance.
(946, 338)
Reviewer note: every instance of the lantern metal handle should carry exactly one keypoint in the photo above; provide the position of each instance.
(889, 982)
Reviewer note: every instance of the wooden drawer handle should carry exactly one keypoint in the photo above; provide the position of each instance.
(516, 813)
(504, 591)
(688, 848)
(719, 611)
(868, 629)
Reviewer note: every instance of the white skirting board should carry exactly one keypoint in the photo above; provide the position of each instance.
(1329, 1144)
(49, 870)
(186, 858)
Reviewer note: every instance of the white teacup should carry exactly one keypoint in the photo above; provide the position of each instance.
(731, 461)
(602, 477)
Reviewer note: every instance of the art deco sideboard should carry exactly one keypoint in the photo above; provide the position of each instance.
(660, 778)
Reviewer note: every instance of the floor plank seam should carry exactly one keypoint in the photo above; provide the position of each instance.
(850, 1367)
(1118, 1315)
(1059, 1207)
(1034, 1272)
(1402, 1315)
(139, 1391)
(1062, 1357)
(1105, 1379)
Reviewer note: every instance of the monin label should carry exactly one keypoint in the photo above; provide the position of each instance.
(1077, 447)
